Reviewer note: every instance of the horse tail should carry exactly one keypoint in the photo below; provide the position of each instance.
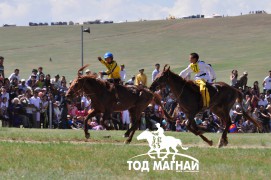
(180, 144)
(82, 68)
(240, 100)
(157, 100)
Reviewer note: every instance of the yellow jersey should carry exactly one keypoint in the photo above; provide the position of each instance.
(113, 70)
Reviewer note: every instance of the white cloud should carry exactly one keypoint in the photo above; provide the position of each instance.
(23, 11)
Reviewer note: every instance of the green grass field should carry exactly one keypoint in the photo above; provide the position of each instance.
(64, 154)
(240, 43)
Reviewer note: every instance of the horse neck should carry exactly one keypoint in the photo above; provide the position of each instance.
(176, 83)
(91, 87)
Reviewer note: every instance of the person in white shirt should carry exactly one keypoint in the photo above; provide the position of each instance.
(201, 69)
(126, 119)
(36, 101)
(262, 101)
(156, 71)
(4, 93)
(15, 75)
(85, 103)
(267, 83)
(122, 73)
(56, 82)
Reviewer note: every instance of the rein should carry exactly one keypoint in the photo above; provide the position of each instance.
(181, 91)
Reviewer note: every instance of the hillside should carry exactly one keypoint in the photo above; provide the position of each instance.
(240, 43)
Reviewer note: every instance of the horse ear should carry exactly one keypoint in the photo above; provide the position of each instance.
(165, 67)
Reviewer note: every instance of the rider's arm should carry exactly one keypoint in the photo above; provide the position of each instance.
(185, 72)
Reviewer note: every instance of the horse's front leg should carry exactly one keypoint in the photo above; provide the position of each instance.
(191, 126)
(90, 115)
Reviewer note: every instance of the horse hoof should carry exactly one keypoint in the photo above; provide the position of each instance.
(220, 143)
(125, 135)
(127, 142)
(210, 143)
(87, 135)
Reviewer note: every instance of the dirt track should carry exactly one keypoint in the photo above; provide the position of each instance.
(91, 142)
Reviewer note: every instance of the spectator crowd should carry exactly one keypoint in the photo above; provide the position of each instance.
(30, 102)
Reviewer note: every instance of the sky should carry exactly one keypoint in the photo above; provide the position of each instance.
(21, 12)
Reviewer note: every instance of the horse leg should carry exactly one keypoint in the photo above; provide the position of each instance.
(90, 115)
(193, 128)
(132, 112)
(224, 140)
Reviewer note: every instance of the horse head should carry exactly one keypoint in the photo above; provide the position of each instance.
(76, 86)
(161, 78)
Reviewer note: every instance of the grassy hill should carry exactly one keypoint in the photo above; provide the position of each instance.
(241, 43)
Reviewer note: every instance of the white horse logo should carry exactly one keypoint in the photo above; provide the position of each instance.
(158, 141)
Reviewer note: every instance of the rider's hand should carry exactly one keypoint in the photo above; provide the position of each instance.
(99, 58)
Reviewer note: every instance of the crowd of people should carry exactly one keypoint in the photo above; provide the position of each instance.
(31, 102)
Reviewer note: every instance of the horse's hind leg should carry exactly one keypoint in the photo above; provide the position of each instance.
(90, 115)
(224, 140)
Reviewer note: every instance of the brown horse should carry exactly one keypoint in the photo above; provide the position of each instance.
(103, 100)
(222, 98)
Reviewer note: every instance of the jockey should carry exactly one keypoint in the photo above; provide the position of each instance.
(202, 70)
(113, 71)
(203, 73)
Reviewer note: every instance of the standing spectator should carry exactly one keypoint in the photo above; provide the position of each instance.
(156, 71)
(141, 78)
(23, 86)
(57, 114)
(47, 81)
(32, 82)
(267, 83)
(262, 101)
(233, 78)
(122, 73)
(4, 93)
(2, 69)
(125, 119)
(36, 101)
(64, 110)
(40, 72)
(41, 82)
(63, 79)
(264, 118)
(15, 75)
(44, 108)
(256, 89)
(6, 83)
(56, 82)
(242, 82)
(35, 73)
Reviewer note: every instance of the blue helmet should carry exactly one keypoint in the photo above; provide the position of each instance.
(108, 55)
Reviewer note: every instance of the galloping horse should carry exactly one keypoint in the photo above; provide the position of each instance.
(187, 94)
(104, 100)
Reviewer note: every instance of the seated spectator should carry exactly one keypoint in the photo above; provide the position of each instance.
(131, 81)
(248, 127)
(237, 114)
(94, 125)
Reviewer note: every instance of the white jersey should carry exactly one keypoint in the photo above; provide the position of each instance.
(267, 83)
(154, 74)
(204, 71)
(123, 75)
